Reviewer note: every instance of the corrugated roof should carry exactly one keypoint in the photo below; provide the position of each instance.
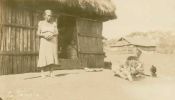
(139, 41)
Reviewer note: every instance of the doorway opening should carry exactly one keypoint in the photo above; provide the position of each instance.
(67, 41)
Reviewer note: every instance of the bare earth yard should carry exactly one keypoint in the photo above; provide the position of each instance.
(81, 85)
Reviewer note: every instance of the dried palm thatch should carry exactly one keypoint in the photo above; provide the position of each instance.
(95, 9)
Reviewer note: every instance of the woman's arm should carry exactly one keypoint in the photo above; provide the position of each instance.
(55, 29)
(39, 31)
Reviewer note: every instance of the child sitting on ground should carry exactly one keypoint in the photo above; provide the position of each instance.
(132, 68)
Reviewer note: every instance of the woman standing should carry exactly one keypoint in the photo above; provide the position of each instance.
(48, 53)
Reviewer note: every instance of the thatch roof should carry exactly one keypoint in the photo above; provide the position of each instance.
(94, 9)
(124, 41)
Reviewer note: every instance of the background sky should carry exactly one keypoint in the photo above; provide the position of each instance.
(141, 16)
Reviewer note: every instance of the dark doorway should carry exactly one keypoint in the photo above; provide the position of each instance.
(67, 44)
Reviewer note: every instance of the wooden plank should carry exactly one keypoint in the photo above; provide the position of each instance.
(26, 63)
(33, 66)
(28, 41)
(24, 32)
(21, 40)
(1, 21)
(18, 66)
(90, 35)
(7, 64)
(91, 60)
(22, 64)
(13, 16)
(19, 26)
(5, 12)
(4, 39)
(10, 65)
(1, 65)
(8, 13)
(88, 27)
(88, 44)
(14, 65)
(28, 13)
(20, 17)
(96, 40)
(0, 38)
(24, 18)
(17, 40)
(25, 39)
(29, 62)
(13, 39)
(37, 43)
(18, 53)
(35, 21)
(1, 9)
(34, 63)
(9, 39)
(33, 41)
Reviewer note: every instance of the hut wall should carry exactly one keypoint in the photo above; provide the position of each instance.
(18, 44)
(90, 44)
(126, 49)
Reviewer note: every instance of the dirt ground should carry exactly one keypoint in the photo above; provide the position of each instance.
(81, 85)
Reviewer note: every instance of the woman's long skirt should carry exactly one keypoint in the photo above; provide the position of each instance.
(48, 52)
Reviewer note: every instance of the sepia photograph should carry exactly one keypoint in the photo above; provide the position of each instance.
(87, 49)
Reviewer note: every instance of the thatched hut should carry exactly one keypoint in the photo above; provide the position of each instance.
(79, 24)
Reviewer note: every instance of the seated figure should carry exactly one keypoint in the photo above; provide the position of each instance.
(132, 68)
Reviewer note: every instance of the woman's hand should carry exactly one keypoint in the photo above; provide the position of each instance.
(48, 36)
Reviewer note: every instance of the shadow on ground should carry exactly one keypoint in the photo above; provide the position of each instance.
(57, 75)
